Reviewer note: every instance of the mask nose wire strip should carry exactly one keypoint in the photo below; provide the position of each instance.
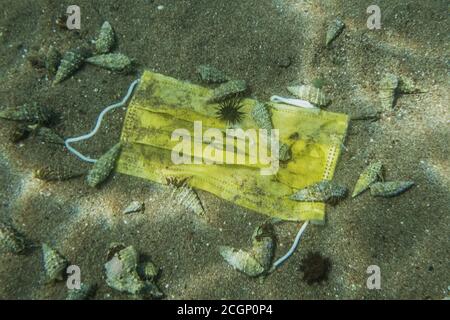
(291, 250)
(89, 135)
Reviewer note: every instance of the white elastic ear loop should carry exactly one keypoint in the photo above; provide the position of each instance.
(294, 246)
(89, 135)
(294, 102)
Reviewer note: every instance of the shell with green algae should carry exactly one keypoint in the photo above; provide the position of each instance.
(122, 274)
(258, 260)
(367, 177)
(388, 90)
(148, 270)
(32, 113)
(104, 166)
(71, 62)
(54, 263)
(121, 271)
(19, 132)
(106, 39)
(116, 62)
(52, 60)
(285, 153)
(210, 74)
(323, 191)
(10, 240)
(311, 94)
(390, 188)
(185, 196)
(406, 85)
(228, 90)
(85, 292)
(262, 116)
(334, 30)
(56, 173)
(48, 135)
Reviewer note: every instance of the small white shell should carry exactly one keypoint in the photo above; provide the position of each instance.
(310, 94)
(135, 206)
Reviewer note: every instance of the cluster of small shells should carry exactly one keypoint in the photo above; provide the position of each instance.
(125, 273)
(369, 179)
(258, 260)
(391, 86)
(32, 119)
(32, 113)
(329, 192)
(73, 59)
(38, 116)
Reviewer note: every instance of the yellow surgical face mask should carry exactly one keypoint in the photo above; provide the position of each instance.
(163, 105)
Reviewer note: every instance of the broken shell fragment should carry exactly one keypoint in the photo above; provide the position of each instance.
(388, 91)
(106, 39)
(390, 189)
(124, 275)
(135, 206)
(263, 241)
(324, 191)
(116, 62)
(70, 63)
(121, 272)
(85, 292)
(228, 90)
(367, 177)
(258, 260)
(103, 167)
(242, 261)
(29, 112)
(209, 74)
(334, 30)
(10, 240)
(148, 271)
(311, 94)
(54, 263)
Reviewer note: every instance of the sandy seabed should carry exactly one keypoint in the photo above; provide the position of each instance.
(270, 44)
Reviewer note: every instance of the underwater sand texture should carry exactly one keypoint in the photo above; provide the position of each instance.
(407, 236)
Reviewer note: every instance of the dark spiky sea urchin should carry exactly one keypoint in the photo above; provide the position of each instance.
(315, 268)
(230, 110)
